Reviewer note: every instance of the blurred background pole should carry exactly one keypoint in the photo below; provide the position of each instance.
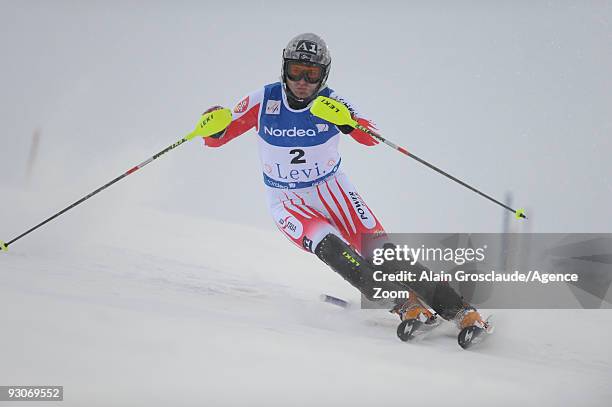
(33, 155)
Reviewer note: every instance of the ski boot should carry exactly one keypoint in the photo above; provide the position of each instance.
(416, 319)
(472, 327)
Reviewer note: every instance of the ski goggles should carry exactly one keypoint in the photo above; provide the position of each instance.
(311, 73)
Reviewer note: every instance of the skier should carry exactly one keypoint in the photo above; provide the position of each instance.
(312, 201)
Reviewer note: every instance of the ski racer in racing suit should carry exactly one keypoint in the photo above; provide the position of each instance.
(311, 200)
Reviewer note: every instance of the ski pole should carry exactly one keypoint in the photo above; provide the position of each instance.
(209, 124)
(337, 113)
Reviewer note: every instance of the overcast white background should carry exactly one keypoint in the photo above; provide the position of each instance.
(509, 96)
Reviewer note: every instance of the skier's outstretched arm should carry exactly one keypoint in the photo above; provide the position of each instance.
(357, 134)
(244, 118)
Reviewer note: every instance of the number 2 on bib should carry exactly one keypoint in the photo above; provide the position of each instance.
(298, 156)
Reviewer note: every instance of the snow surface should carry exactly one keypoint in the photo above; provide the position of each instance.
(183, 310)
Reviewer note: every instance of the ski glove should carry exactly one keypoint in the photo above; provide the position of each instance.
(212, 109)
(358, 135)
(361, 136)
(345, 128)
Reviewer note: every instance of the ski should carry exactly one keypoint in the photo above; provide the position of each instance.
(411, 329)
(472, 335)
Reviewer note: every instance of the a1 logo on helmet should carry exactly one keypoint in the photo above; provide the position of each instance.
(307, 46)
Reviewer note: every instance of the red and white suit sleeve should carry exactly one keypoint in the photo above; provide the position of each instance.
(357, 134)
(245, 116)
